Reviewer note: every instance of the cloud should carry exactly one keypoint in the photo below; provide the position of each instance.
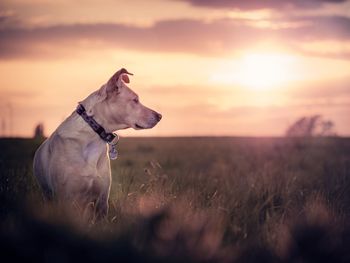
(7, 19)
(319, 28)
(218, 37)
(173, 36)
(259, 4)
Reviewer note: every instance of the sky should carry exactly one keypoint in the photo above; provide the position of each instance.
(225, 67)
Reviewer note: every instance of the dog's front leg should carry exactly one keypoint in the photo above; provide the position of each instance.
(102, 206)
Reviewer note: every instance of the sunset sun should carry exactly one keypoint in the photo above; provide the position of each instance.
(264, 71)
(258, 71)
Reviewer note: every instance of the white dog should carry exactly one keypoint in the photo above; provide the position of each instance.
(72, 165)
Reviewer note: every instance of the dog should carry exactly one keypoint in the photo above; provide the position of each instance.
(72, 165)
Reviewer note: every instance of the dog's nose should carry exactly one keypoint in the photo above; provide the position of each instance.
(159, 116)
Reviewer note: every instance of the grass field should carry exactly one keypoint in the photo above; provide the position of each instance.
(191, 200)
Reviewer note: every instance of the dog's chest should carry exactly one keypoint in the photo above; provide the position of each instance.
(94, 153)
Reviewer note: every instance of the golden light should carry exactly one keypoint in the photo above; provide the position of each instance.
(259, 71)
(264, 71)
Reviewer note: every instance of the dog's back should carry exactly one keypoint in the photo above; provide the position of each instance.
(41, 157)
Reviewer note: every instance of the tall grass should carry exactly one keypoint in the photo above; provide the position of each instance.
(202, 199)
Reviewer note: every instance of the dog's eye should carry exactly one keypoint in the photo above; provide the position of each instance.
(136, 100)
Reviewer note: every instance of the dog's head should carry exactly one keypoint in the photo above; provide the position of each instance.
(117, 107)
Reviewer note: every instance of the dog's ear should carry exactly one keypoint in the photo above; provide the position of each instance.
(120, 75)
(125, 78)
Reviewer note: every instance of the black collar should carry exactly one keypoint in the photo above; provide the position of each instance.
(106, 136)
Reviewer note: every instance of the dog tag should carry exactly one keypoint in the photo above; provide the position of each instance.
(113, 153)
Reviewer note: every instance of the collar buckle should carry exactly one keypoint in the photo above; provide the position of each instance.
(113, 140)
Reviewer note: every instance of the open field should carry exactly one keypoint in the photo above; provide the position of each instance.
(191, 199)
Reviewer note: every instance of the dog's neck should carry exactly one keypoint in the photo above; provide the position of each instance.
(108, 137)
(74, 127)
(96, 134)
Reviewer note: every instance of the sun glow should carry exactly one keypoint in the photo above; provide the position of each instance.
(263, 71)
(259, 71)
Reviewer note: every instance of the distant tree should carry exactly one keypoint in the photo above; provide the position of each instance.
(327, 127)
(311, 126)
(39, 131)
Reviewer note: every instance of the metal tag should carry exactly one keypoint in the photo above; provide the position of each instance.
(113, 153)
